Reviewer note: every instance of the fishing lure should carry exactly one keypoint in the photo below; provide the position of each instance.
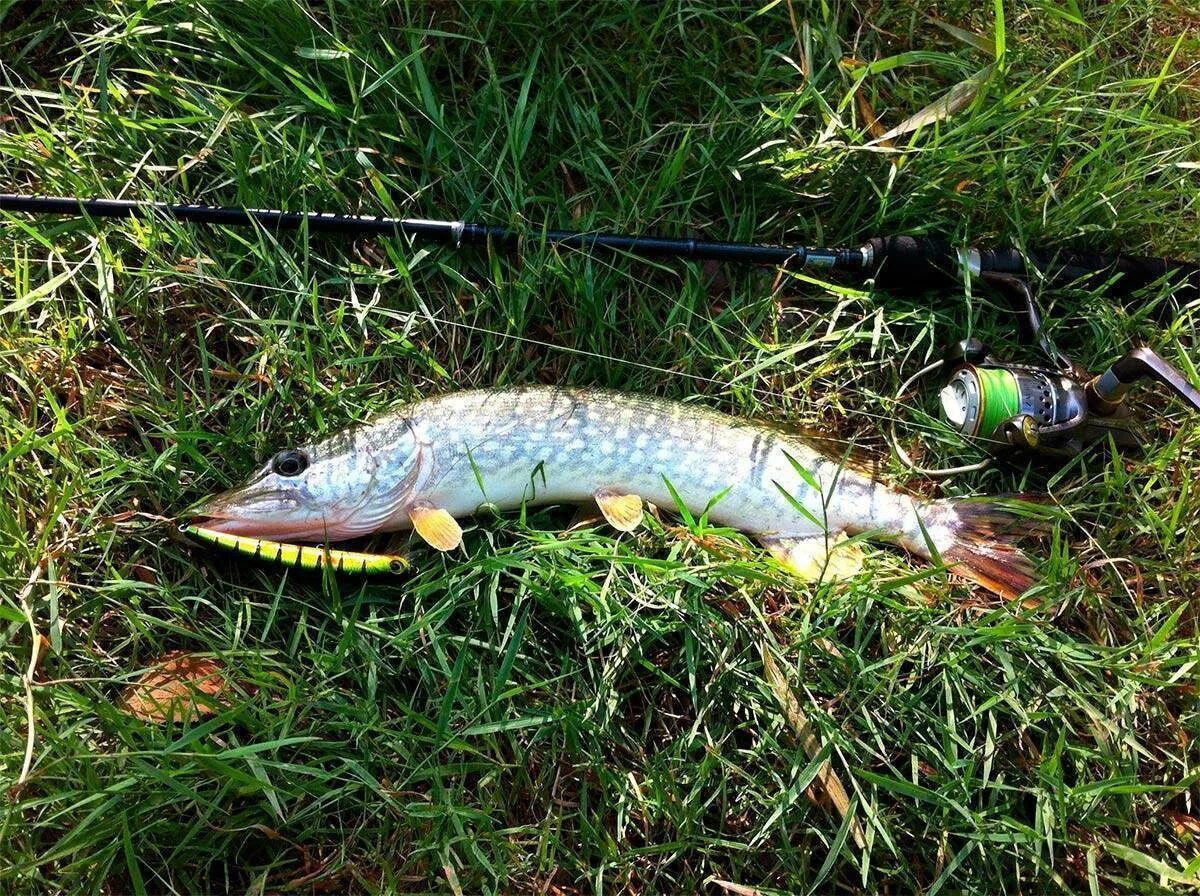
(302, 556)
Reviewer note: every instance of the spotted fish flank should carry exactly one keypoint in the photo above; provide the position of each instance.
(439, 459)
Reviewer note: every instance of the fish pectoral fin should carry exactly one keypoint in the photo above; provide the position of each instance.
(623, 512)
(816, 557)
(439, 529)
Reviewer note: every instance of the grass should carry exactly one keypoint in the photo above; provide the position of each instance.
(573, 713)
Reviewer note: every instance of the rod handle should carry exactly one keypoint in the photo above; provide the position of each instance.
(914, 263)
(1120, 275)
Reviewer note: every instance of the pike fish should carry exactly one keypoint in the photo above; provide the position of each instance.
(439, 459)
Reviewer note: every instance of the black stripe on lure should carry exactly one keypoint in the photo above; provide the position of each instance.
(301, 556)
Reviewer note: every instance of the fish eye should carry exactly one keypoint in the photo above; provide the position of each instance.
(289, 462)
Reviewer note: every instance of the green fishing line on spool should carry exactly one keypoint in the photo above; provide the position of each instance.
(1000, 398)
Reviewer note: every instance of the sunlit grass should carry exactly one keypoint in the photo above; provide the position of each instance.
(577, 712)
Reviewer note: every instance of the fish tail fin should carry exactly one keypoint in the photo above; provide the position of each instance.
(980, 540)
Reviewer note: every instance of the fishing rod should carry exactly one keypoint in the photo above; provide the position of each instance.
(895, 262)
(1055, 410)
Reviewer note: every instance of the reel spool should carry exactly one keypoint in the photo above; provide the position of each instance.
(981, 401)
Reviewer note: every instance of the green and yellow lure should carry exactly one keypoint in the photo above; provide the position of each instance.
(303, 556)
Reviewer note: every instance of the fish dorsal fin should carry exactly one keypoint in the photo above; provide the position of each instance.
(844, 451)
(436, 526)
(850, 455)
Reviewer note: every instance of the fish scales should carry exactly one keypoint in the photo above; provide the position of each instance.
(558, 446)
(440, 459)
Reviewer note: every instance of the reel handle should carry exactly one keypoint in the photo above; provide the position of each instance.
(1106, 392)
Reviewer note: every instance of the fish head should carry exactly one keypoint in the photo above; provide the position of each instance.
(344, 486)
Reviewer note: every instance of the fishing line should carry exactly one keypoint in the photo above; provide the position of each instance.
(1057, 412)
(409, 317)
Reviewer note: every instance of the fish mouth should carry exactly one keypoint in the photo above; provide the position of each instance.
(259, 528)
(257, 513)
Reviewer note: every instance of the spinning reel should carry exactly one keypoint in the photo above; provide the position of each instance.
(1057, 409)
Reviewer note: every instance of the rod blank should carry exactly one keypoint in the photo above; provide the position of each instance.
(455, 233)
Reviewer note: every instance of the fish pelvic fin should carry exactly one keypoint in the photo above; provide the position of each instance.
(982, 540)
(816, 557)
(623, 512)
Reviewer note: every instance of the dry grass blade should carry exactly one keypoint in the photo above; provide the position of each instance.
(978, 41)
(737, 889)
(871, 120)
(27, 680)
(827, 777)
(953, 101)
(178, 687)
